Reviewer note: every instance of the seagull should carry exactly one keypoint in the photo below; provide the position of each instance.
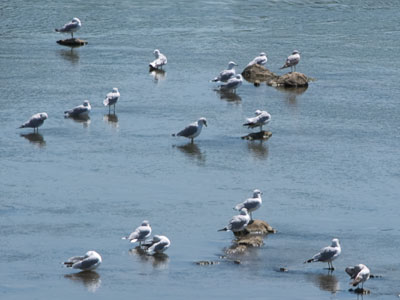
(35, 121)
(358, 274)
(227, 74)
(259, 60)
(233, 83)
(140, 234)
(71, 27)
(82, 110)
(157, 245)
(251, 204)
(160, 60)
(292, 60)
(193, 129)
(238, 222)
(111, 99)
(262, 118)
(90, 261)
(327, 254)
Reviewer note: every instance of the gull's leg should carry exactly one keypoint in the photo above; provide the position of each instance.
(114, 109)
(192, 140)
(109, 109)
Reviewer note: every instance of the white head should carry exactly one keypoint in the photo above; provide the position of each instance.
(258, 112)
(145, 223)
(43, 116)
(335, 243)
(76, 20)
(263, 54)
(93, 253)
(115, 90)
(86, 103)
(231, 64)
(156, 52)
(244, 211)
(296, 52)
(202, 121)
(257, 193)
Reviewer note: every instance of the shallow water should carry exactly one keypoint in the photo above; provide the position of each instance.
(331, 168)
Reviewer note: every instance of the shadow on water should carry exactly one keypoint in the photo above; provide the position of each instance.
(90, 279)
(35, 138)
(111, 119)
(84, 120)
(192, 151)
(159, 260)
(158, 75)
(258, 149)
(290, 94)
(70, 55)
(228, 95)
(325, 282)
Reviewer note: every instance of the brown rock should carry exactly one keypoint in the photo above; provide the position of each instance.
(256, 73)
(292, 79)
(261, 135)
(72, 42)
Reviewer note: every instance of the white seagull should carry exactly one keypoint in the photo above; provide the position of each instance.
(111, 99)
(160, 60)
(233, 83)
(157, 245)
(35, 121)
(71, 27)
(262, 118)
(292, 60)
(227, 74)
(251, 204)
(238, 222)
(82, 110)
(327, 254)
(358, 274)
(140, 234)
(193, 129)
(90, 261)
(259, 60)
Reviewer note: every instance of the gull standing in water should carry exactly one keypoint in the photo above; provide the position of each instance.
(157, 245)
(259, 60)
(227, 74)
(327, 254)
(192, 130)
(71, 27)
(35, 121)
(262, 118)
(111, 99)
(140, 234)
(82, 110)
(358, 274)
(238, 222)
(160, 60)
(233, 83)
(90, 261)
(292, 61)
(251, 204)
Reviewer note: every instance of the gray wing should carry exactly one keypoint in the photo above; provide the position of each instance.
(251, 204)
(143, 232)
(110, 100)
(260, 60)
(231, 84)
(353, 271)
(237, 223)
(68, 27)
(86, 263)
(34, 121)
(188, 131)
(77, 110)
(263, 118)
(226, 75)
(158, 247)
(326, 254)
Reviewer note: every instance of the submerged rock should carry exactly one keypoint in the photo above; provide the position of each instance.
(360, 291)
(261, 135)
(206, 262)
(256, 74)
(72, 42)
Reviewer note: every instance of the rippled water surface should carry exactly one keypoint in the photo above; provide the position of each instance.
(330, 169)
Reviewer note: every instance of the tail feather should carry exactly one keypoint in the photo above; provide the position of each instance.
(223, 229)
(174, 134)
(57, 30)
(68, 264)
(309, 261)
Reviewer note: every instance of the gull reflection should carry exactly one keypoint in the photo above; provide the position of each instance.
(292, 93)
(258, 149)
(191, 150)
(111, 119)
(326, 282)
(84, 120)
(158, 74)
(70, 55)
(228, 95)
(35, 138)
(90, 279)
(158, 260)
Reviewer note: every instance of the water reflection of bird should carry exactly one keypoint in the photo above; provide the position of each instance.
(228, 95)
(158, 74)
(159, 260)
(326, 282)
(70, 55)
(111, 119)
(191, 150)
(292, 93)
(35, 138)
(258, 149)
(90, 279)
(84, 120)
